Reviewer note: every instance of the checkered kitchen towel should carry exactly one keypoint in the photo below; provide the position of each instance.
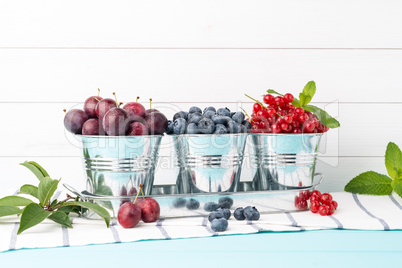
(354, 212)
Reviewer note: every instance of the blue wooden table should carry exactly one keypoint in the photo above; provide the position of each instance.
(325, 248)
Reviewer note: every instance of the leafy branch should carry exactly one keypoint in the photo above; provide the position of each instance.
(33, 213)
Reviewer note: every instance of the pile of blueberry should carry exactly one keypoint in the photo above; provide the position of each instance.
(250, 213)
(209, 121)
(220, 213)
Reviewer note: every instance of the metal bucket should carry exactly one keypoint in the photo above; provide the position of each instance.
(117, 165)
(209, 163)
(283, 161)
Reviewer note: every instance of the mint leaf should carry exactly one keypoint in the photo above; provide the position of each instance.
(304, 99)
(32, 215)
(47, 187)
(61, 218)
(370, 182)
(271, 91)
(309, 89)
(393, 160)
(397, 186)
(9, 210)
(94, 207)
(323, 116)
(296, 102)
(33, 166)
(29, 189)
(15, 201)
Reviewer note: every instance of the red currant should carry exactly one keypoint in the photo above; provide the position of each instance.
(297, 201)
(315, 192)
(284, 126)
(334, 203)
(268, 99)
(308, 127)
(288, 98)
(288, 119)
(314, 198)
(302, 204)
(315, 205)
(331, 209)
(326, 199)
(291, 106)
(279, 101)
(276, 128)
(302, 118)
(299, 110)
(285, 106)
(271, 111)
(323, 210)
(297, 131)
(280, 121)
(256, 107)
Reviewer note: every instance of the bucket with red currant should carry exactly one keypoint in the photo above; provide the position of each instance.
(285, 137)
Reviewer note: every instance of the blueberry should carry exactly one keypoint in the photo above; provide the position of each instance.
(220, 129)
(215, 215)
(195, 118)
(224, 204)
(231, 114)
(206, 126)
(220, 119)
(226, 198)
(238, 117)
(179, 202)
(211, 206)
(247, 124)
(195, 109)
(251, 213)
(223, 111)
(219, 225)
(210, 109)
(192, 204)
(243, 129)
(226, 212)
(238, 214)
(233, 127)
(192, 129)
(209, 114)
(179, 126)
(169, 129)
(181, 114)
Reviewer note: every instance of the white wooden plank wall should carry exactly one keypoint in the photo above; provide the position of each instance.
(53, 54)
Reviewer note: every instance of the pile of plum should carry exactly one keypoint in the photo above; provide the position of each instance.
(209, 121)
(105, 117)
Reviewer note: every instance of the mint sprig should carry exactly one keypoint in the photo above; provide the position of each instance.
(33, 213)
(304, 99)
(374, 183)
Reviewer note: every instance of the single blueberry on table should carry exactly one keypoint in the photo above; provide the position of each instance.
(192, 129)
(226, 212)
(179, 126)
(233, 127)
(195, 109)
(223, 111)
(220, 129)
(226, 198)
(206, 126)
(238, 117)
(209, 114)
(215, 215)
(239, 214)
(220, 119)
(169, 129)
(219, 225)
(195, 118)
(179, 202)
(210, 108)
(192, 204)
(211, 206)
(181, 114)
(251, 213)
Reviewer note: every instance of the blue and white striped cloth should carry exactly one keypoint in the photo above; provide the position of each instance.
(354, 212)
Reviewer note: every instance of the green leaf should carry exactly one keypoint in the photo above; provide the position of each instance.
(370, 182)
(29, 189)
(296, 102)
(94, 207)
(47, 187)
(271, 91)
(9, 210)
(15, 201)
(70, 209)
(309, 89)
(393, 160)
(36, 169)
(397, 186)
(323, 116)
(304, 99)
(61, 218)
(32, 215)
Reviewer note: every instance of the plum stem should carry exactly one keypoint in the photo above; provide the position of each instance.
(115, 97)
(120, 104)
(142, 192)
(65, 111)
(135, 200)
(98, 92)
(137, 98)
(150, 103)
(97, 99)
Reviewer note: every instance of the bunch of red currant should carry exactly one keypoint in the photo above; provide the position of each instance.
(280, 116)
(321, 203)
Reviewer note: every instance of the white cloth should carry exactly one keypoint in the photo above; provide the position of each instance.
(354, 212)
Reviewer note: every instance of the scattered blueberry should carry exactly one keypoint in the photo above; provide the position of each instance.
(181, 114)
(251, 213)
(220, 129)
(179, 202)
(192, 129)
(224, 204)
(233, 127)
(195, 109)
(238, 214)
(179, 126)
(209, 114)
(215, 215)
(210, 109)
(226, 198)
(226, 212)
(169, 129)
(219, 225)
(238, 117)
(206, 126)
(223, 111)
(195, 118)
(192, 204)
(211, 206)
(221, 119)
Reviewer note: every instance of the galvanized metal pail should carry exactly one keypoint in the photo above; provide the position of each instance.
(117, 165)
(283, 161)
(209, 163)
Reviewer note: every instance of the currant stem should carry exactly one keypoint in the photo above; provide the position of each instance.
(279, 115)
(135, 200)
(247, 115)
(254, 100)
(115, 97)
